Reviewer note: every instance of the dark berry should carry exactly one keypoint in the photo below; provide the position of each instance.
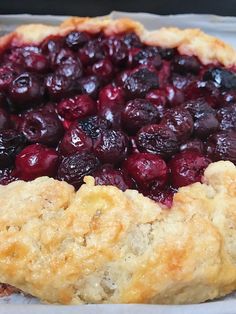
(198, 108)
(194, 144)
(132, 40)
(187, 167)
(111, 146)
(227, 117)
(70, 68)
(7, 176)
(94, 126)
(147, 170)
(157, 97)
(75, 39)
(222, 77)
(35, 62)
(180, 121)
(103, 69)
(174, 96)
(148, 56)
(58, 86)
(5, 121)
(222, 146)
(77, 107)
(74, 168)
(6, 77)
(75, 140)
(11, 142)
(116, 50)
(163, 196)
(157, 139)
(42, 127)
(89, 85)
(26, 89)
(167, 53)
(205, 125)
(35, 161)
(91, 52)
(186, 64)
(138, 113)
(140, 82)
(110, 176)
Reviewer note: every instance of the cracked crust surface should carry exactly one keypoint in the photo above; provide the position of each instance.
(188, 41)
(102, 245)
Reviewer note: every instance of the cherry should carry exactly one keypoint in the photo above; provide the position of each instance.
(222, 146)
(186, 64)
(36, 160)
(138, 113)
(111, 146)
(26, 89)
(93, 126)
(103, 69)
(227, 117)
(6, 77)
(11, 142)
(157, 139)
(89, 85)
(187, 167)
(221, 77)
(180, 121)
(194, 144)
(131, 40)
(163, 196)
(157, 96)
(107, 175)
(147, 170)
(140, 82)
(35, 62)
(75, 40)
(42, 127)
(175, 97)
(75, 140)
(58, 86)
(77, 107)
(148, 56)
(7, 176)
(91, 52)
(74, 168)
(116, 50)
(5, 122)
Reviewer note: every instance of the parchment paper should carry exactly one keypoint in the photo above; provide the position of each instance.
(221, 27)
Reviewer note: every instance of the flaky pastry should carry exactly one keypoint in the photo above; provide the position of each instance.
(102, 245)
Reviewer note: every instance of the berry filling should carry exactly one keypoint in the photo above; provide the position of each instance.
(129, 114)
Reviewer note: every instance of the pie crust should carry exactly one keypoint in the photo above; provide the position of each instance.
(102, 245)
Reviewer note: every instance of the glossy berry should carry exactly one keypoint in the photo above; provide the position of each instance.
(74, 168)
(103, 69)
(35, 62)
(76, 107)
(116, 50)
(222, 146)
(227, 117)
(111, 96)
(89, 85)
(111, 146)
(157, 96)
(205, 90)
(26, 89)
(186, 64)
(11, 142)
(198, 108)
(93, 126)
(76, 40)
(42, 127)
(222, 77)
(107, 175)
(147, 170)
(35, 161)
(149, 56)
(58, 86)
(7, 176)
(174, 96)
(187, 167)
(140, 82)
(157, 139)
(138, 113)
(5, 122)
(180, 121)
(91, 52)
(194, 144)
(75, 140)
(163, 196)
(206, 125)
(131, 40)
(6, 77)
(70, 68)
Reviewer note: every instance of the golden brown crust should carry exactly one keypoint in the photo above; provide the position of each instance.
(188, 41)
(102, 245)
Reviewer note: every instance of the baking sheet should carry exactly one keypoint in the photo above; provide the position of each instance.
(222, 27)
